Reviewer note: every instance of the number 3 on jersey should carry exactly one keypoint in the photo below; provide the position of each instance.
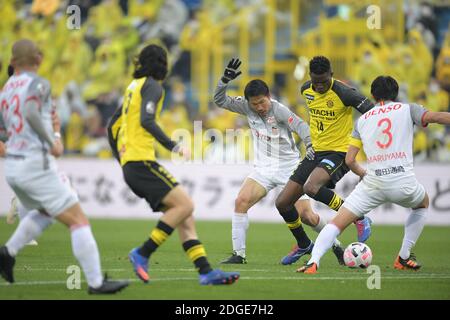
(385, 132)
(17, 122)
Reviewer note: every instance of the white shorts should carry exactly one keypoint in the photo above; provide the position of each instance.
(408, 194)
(37, 188)
(271, 179)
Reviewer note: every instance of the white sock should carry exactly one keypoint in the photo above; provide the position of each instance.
(324, 242)
(239, 232)
(85, 250)
(29, 228)
(21, 211)
(320, 225)
(413, 228)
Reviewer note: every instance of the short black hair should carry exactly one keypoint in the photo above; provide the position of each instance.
(10, 70)
(256, 88)
(319, 65)
(152, 62)
(384, 88)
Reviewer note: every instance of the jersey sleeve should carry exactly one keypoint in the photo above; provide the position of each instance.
(352, 98)
(417, 112)
(151, 93)
(294, 123)
(234, 104)
(113, 131)
(39, 91)
(355, 139)
(305, 86)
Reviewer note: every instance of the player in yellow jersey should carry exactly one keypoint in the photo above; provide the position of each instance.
(132, 134)
(330, 105)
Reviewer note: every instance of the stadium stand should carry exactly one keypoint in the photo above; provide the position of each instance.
(88, 67)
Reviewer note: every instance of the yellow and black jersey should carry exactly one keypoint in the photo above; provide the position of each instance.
(134, 127)
(330, 114)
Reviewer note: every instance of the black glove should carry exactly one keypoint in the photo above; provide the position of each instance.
(231, 71)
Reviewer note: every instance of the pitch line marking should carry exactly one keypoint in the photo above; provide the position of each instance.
(299, 278)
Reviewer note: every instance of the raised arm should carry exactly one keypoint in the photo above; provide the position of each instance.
(221, 99)
(422, 117)
(436, 117)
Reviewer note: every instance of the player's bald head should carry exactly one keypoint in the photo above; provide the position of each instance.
(25, 53)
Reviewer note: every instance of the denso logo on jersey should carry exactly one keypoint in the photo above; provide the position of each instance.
(15, 84)
(382, 110)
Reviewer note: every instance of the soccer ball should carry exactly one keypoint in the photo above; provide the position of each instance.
(357, 255)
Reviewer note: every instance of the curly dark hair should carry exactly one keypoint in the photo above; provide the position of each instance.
(152, 62)
(384, 88)
(10, 70)
(319, 65)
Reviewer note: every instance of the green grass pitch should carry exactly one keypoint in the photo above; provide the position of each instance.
(40, 271)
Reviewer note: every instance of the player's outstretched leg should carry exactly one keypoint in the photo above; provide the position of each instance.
(6, 265)
(364, 229)
(317, 223)
(413, 228)
(85, 250)
(253, 190)
(29, 228)
(285, 204)
(18, 210)
(197, 254)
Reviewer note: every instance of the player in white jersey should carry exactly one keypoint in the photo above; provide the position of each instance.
(276, 157)
(17, 209)
(30, 170)
(386, 135)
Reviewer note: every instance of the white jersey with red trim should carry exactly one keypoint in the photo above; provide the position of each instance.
(387, 133)
(22, 139)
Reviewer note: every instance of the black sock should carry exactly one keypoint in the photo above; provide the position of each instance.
(196, 253)
(294, 224)
(329, 197)
(158, 235)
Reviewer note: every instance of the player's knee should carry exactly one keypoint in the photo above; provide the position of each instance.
(308, 217)
(425, 203)
(187, 207)
(311, 189)
(242, 203)
(282, 204)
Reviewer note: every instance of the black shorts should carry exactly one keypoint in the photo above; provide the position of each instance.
(332, 161)
(149, 180)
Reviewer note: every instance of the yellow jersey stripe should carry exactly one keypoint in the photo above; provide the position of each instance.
(159, 175)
